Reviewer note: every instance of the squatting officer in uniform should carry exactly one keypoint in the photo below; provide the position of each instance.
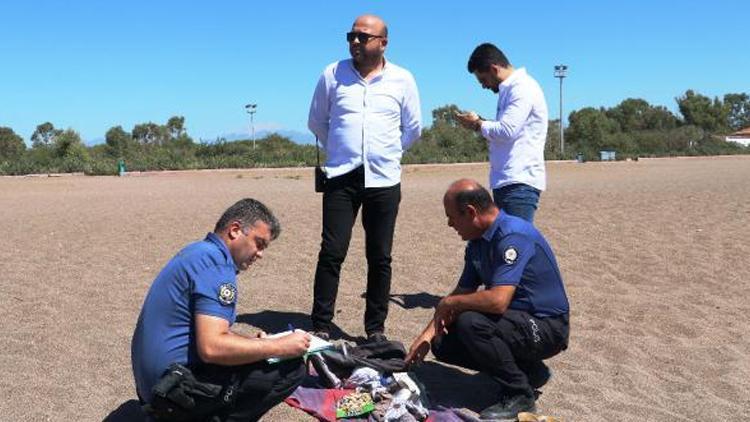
(186, 319)
(520, 317)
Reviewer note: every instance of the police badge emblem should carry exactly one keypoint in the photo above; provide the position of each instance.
(227, 293)
(510, 255)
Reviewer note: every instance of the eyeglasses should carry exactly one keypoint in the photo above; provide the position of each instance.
(362, 37)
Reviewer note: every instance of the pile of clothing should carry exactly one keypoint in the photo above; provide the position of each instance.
(366, 381)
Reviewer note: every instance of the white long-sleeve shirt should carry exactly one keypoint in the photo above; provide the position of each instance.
(368, 123)
(517, 136)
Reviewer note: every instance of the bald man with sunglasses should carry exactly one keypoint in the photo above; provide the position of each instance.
(365, 112)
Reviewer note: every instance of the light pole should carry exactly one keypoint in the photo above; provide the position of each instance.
(251, 109)
(561, 71)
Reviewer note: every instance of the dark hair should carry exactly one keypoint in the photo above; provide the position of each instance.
(248, 211)
(484, 56)
(476, 196)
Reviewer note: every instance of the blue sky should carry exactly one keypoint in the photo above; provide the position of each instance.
(91, 65)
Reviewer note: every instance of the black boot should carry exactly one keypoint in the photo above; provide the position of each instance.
(537, 372)
(509, 408)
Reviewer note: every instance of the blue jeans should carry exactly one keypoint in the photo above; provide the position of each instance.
(517, 199)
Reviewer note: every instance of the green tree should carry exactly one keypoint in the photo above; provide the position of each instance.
(635, 114)
(446, 114)
(276, 144)
(150, 134)
(44, 135)
(739, 110)
(630, 114)
(660, 118)
(552, 143)
(11, 145)
(588, 130)
(69, 144)
(683, 138)
(176, 127)
(700, 111)
(119, 143)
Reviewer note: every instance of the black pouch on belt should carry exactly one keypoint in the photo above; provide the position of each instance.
(180, 397)
(320, 175)
(320, 179)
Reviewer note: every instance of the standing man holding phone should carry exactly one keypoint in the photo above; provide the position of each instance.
(516, 137)
(365, 111)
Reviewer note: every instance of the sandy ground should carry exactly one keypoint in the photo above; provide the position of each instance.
(655, 256)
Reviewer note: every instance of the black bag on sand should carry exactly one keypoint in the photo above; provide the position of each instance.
(383, 356)
(180, 397)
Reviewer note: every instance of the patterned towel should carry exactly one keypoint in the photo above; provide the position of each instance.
(321, 403)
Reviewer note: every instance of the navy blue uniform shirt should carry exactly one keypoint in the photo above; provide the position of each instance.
(512, 252)
(200, 279)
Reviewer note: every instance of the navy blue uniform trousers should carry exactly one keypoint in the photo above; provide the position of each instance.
(503, 346)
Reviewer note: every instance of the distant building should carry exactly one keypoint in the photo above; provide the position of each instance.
(742, 137)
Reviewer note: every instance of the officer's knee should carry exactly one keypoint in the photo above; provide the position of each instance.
(290, 376)
(297, 372)
(437, 349)
(468, 322)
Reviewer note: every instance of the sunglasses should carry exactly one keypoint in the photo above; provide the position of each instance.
(361, 37)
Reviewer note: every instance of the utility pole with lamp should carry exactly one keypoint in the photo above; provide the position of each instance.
(561, 71)
(251, 109)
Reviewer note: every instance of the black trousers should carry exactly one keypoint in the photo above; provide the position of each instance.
(261, 386)
(343, 197)
(503, 345)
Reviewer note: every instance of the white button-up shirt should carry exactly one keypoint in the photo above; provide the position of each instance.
(369, 123)
(516, 138)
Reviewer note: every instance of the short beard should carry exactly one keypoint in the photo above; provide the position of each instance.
(368, 59)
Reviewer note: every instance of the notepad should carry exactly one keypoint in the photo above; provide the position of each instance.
(317, 344)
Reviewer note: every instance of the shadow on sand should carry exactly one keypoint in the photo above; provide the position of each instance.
(416, 300)
(451, 387)
(276, 321)
(413, 300)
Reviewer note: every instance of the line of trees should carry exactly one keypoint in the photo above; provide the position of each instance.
(636, 128)
(632, 128)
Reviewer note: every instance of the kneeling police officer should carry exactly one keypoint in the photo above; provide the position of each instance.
(187, 363)
(520, 317)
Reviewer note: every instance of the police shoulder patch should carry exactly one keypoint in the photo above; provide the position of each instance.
(227, 293)
(510, 255)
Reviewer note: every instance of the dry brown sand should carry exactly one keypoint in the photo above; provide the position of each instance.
(654, 254)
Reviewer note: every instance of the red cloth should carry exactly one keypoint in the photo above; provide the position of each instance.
(321, 403)
(318, 402)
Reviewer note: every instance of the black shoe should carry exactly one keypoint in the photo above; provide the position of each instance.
(376, 337)
(509, 408)
(537, 373)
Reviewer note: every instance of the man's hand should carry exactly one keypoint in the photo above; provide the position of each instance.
(469, 120)
(293, 345)
(444, 316)
(418, 350)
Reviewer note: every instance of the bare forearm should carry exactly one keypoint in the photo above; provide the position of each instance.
(429, 331)
(234, 349)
